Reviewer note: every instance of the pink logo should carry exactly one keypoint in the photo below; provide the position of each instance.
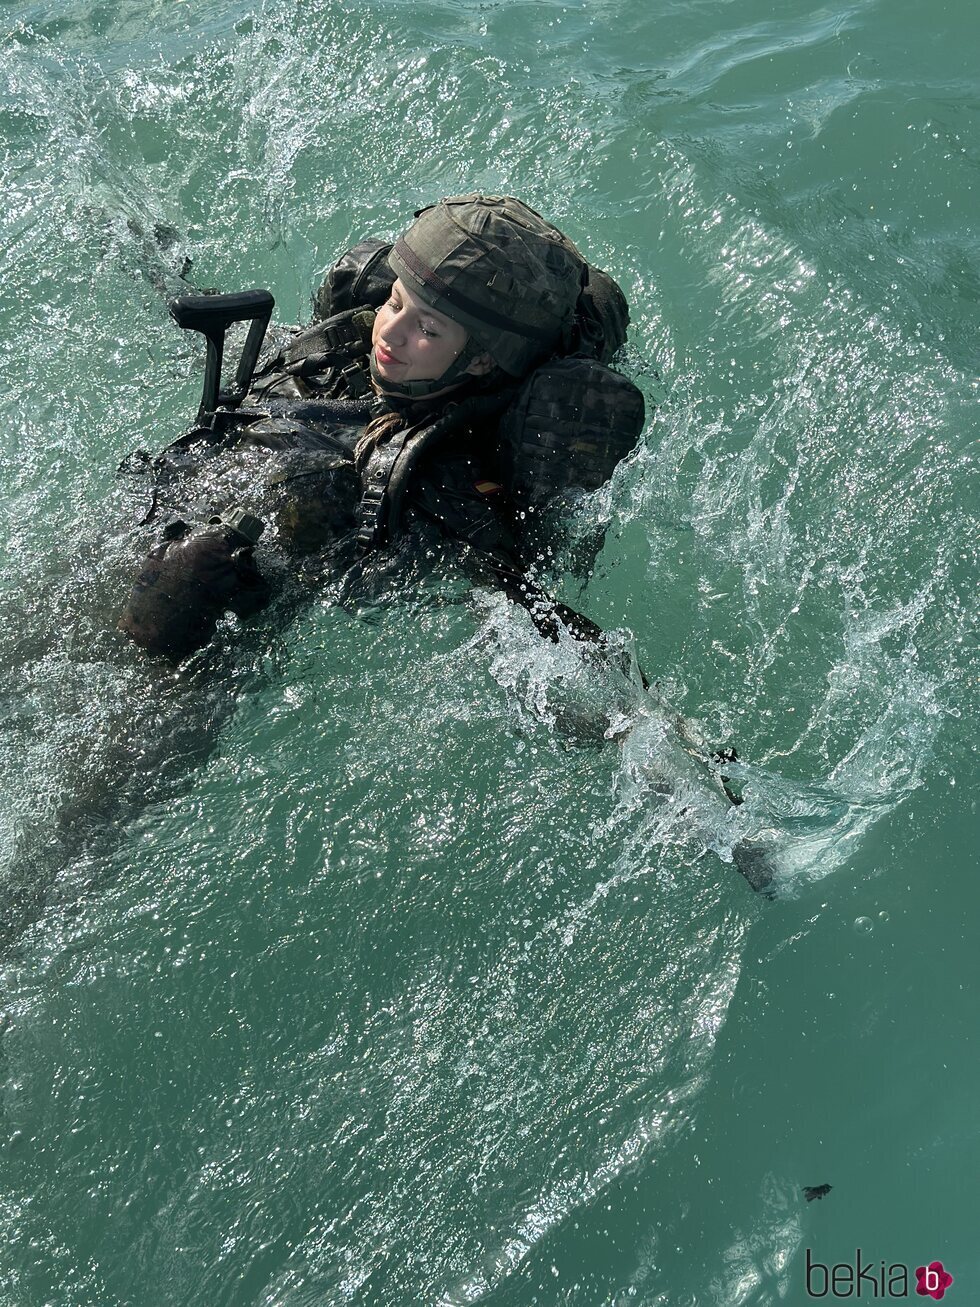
(933, 1281)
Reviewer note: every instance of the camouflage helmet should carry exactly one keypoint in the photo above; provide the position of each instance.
(498, 269)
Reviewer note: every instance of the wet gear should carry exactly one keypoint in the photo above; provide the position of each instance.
(361, 276)
(340, 343)
(307, 483)
(564, 430)
(190, 579)
(392, 467)
(601, 318)
(297, 468)
(573, 420)
(469, 468)
(568, 427)
(330, 343)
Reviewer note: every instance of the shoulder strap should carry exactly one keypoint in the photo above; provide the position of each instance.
(341, 342)
(391, 465)
(330, 342)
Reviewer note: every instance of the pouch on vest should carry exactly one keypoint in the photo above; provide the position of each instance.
(189, 579)
(360, 276)
(601, 317)
(572, 421)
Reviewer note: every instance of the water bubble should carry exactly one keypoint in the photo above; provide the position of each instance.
(864, 925)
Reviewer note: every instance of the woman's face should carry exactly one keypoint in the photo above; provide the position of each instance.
(411, 341)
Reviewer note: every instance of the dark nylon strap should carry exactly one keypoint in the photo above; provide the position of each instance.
(390, 466)
(344, 336)
(453, 297)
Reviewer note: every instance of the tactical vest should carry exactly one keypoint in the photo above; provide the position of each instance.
(564, 427)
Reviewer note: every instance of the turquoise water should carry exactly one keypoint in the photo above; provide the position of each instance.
(342, 967)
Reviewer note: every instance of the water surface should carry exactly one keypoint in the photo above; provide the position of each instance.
(357, 976)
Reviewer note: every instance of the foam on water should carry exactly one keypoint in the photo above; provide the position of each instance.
(790, 490)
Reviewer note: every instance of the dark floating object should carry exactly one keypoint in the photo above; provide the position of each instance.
(816, 1191)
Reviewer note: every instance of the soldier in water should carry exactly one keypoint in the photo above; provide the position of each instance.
(451, 390)
(451, 387)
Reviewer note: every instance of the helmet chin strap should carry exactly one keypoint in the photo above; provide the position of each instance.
(415, 390)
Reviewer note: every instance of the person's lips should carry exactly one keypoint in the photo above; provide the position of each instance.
(383, 357)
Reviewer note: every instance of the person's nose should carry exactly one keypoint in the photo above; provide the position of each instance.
(393, 330)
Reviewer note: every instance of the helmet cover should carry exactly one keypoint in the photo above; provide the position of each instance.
(498, 269)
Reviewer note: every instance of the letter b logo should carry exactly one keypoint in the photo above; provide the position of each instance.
(813, 1271)
(933, 1280)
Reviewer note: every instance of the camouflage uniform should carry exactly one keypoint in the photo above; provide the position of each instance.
(475, 466)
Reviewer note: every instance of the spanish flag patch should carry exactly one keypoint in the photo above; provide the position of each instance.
(487, 487)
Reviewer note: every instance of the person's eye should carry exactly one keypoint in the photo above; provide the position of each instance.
(426, 329)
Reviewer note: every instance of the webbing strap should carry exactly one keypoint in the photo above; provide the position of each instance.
(391, 465)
